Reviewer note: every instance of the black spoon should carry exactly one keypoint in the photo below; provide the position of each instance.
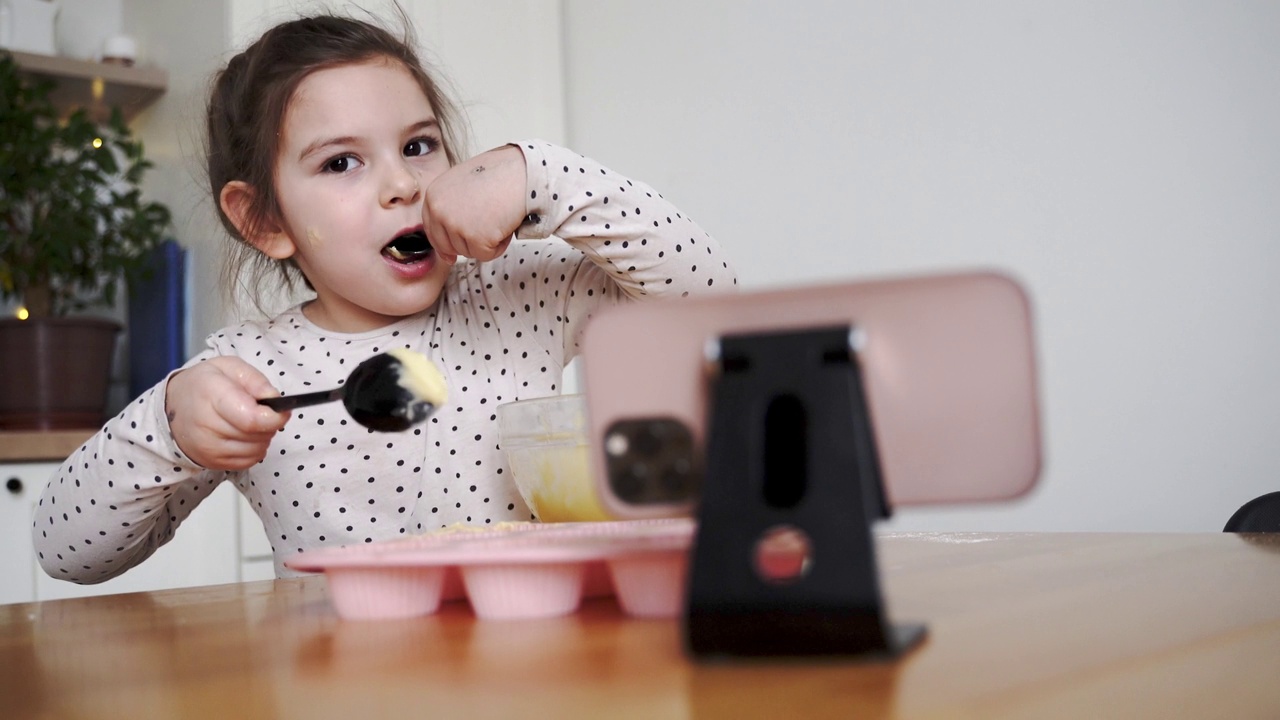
(389, 392)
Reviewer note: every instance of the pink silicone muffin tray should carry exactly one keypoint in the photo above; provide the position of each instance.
(518, 570)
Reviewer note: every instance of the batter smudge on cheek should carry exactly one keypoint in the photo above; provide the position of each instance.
(313, 237)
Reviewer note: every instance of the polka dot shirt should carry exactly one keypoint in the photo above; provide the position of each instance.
(501, 331)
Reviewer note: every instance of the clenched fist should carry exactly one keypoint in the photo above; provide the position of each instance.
(215, 417)
(474, 208)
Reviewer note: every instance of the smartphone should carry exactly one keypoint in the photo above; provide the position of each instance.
(947, 364)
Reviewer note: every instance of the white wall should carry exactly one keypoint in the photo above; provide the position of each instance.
(1121, 158)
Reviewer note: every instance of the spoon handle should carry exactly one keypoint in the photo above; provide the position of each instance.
(289, 402)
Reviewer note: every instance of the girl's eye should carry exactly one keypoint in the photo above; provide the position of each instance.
(420, 146)
(341, 164)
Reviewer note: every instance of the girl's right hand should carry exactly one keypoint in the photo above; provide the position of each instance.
(473, 209)
(214, 414)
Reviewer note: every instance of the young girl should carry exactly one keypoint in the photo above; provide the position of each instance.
(331, 156)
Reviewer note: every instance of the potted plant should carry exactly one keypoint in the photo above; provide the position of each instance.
(73, 228)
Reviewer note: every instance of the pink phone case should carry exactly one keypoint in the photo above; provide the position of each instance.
(947, 362)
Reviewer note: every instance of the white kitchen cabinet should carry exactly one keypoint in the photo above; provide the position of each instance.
(21, 484)
(205, 551)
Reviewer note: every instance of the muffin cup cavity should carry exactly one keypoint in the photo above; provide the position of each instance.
(380, 593)
(507, 592)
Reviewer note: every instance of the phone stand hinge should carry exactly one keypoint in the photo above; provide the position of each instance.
(783, 563)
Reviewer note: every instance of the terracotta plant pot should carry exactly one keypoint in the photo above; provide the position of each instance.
(54, 372)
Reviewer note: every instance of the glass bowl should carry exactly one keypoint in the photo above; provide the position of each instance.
(545, 441)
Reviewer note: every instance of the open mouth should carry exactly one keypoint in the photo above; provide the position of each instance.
(408, 248)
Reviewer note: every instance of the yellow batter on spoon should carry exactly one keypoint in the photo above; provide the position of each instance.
(420, 376)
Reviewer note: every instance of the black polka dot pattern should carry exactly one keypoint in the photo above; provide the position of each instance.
(502, 331)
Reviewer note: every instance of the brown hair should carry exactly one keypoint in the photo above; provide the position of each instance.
(246, 111)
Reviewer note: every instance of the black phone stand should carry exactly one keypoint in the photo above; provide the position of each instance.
(790, 445)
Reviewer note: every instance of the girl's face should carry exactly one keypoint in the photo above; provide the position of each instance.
(360, 144)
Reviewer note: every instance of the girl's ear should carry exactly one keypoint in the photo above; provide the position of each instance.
(270, 238)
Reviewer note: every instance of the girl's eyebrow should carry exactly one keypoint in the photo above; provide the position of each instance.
(428, 124)
(317, 146)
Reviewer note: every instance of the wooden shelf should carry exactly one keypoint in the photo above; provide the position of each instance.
(94, 85)
(41, 446)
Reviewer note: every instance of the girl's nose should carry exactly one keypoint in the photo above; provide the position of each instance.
(401, 187)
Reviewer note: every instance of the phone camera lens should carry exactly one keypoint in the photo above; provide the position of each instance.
(648, 441)
(616, 444)
(674, 481)
(628, 487)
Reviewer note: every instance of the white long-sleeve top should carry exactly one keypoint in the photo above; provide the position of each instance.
(502, 330)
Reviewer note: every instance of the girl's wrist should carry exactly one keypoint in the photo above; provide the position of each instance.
(537, 223)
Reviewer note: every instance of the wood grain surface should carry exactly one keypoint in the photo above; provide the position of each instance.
(1020, 626)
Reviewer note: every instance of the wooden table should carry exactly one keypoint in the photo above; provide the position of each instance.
(1021, 625)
